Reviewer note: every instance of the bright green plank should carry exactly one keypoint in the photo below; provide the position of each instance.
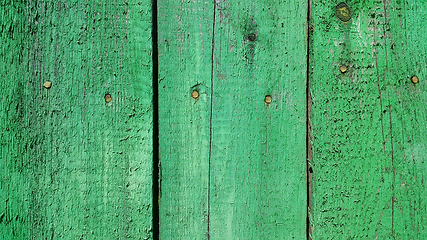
(72, 166)
(367, 123)
(258, 162)
(185, 56)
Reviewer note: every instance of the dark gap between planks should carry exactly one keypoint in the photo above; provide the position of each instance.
(156, 179)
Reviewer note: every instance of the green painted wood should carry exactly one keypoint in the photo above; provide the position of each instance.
(368, 124)
(258, 160)
(232, 166)
(185, 65)
(73, 166)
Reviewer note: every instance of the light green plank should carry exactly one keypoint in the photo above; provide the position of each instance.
(367, 123)
(232, 167)
(73, 166)
(258, 162)
(185, 56)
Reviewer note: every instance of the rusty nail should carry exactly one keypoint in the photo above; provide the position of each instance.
(414, 79)
(267, 99)
(108, 98)
(343, 69)
(343, 12)
(47, 84)
(195, 94)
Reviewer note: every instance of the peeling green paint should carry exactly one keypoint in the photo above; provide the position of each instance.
(368, 124)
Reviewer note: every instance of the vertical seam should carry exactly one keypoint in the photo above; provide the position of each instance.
(210, 121)
(391, 122)
(156, 181)
(308, 129)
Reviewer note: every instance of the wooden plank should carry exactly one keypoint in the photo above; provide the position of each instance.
(72, 165)
(232, 166)
(258, 160)
(185, 65)
(367, 122)
(406, 57)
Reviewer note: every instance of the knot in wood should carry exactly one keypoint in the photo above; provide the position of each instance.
(343, 12)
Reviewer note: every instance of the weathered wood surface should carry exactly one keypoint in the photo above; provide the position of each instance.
(73, 166)
(369, 123)
(232, 166)
(185, 55)
(232, 160)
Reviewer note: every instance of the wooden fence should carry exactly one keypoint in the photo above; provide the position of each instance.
(220, 119)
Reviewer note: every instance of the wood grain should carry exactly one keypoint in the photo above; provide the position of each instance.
(258, 183)
(368, 122)
(232, 166)
(185, 63)
(72, 165)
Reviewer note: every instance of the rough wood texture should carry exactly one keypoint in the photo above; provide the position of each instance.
(232, 166)
(73, 166)
(368, 123)
(185, 56)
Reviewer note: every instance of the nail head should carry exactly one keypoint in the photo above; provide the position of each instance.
(108, 98)
(343, 69)
(47, 84)
(268, 99)
(414, 79)
(195, 94)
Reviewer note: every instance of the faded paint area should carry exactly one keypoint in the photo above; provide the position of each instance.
(233, 161)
